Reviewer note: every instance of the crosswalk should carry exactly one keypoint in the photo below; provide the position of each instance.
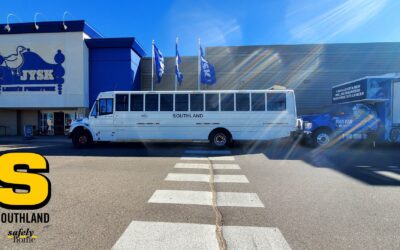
(206, 166)
(206, 178)
(163, 235)
(215, 158)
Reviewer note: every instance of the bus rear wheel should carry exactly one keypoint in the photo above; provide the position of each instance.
(220, 138)
(82, 139)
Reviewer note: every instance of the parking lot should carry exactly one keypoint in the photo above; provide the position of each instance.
(271, 195)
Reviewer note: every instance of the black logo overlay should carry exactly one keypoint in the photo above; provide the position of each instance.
(23, 235)
(23, 187)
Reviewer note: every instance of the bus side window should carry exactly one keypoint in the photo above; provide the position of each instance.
(121, 102)
(242, 102)
(105, 106)
(258, 102)
(212, 102)
(181, 102)
(151, 101)
(276, 101)
(137, 102)
(227, 102)
(166, 102)
(196, 102)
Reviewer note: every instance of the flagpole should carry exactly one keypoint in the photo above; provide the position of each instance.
(198, 68)
(152, 65)
(176, 62)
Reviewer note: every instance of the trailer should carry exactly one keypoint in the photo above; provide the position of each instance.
(364, 109)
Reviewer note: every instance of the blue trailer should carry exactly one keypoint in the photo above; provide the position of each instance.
(363, 109)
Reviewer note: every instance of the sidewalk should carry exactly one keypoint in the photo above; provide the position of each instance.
(35, 139)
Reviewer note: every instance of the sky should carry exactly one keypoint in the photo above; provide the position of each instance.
(222, 22)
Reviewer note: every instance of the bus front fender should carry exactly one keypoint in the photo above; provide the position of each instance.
(78, 127)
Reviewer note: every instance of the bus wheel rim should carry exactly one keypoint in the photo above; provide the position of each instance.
(220, 139)
(82, 139)
(323, 139)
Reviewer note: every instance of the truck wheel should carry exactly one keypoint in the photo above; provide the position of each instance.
(82, 139)
(321, 137)
(394, 135)
(220, 138)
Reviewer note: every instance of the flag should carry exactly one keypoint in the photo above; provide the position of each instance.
(179, 76)
(207, 72)
(159, 62)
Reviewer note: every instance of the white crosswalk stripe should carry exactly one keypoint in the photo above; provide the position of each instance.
(215, 158)
(206, 178)
(206, 166)
(165, 235)
(389, 174)
(230, 199)
(208, 152)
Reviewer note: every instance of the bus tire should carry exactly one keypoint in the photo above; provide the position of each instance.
(82, 138)
(321, 137)
(220, 138)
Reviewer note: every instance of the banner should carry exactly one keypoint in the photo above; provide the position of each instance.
(179, 75)
(207, 71)
(159, 63)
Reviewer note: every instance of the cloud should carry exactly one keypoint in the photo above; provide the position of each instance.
(339, 19)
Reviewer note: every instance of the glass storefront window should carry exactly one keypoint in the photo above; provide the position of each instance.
(46, 123)
(68, 118)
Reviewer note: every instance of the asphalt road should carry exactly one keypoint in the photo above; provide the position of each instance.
(347, 197)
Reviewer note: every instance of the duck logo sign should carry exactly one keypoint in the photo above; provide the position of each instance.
(25, 71)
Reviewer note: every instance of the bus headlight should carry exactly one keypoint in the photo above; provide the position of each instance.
(307, 125)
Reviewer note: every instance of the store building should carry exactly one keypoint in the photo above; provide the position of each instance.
(310, 69)
(51, 72)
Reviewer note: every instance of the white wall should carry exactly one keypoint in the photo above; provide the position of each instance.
(76, 85)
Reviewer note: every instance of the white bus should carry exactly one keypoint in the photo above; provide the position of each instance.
(217, 116)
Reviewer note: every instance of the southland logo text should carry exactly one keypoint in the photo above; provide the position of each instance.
(22, 236)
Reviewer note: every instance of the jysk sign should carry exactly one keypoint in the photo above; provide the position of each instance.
(26, 71)
(349, 92)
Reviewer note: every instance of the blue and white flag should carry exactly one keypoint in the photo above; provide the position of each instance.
(159, 62)
(207, 72)
(179, 76)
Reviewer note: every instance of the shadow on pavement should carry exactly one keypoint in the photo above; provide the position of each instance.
(373, 166)
(363, 162)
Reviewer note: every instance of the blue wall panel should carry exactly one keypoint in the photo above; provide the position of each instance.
(112, 69)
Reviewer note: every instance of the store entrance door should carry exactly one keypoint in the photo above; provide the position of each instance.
(58, 123)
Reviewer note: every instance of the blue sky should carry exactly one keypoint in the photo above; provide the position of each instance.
(250, 22)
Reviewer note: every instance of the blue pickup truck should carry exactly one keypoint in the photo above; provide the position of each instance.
(364, 109)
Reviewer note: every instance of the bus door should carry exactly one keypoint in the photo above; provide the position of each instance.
(103, 124)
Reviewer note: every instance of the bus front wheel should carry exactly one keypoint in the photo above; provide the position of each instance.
(82, 139)
(220, 138)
